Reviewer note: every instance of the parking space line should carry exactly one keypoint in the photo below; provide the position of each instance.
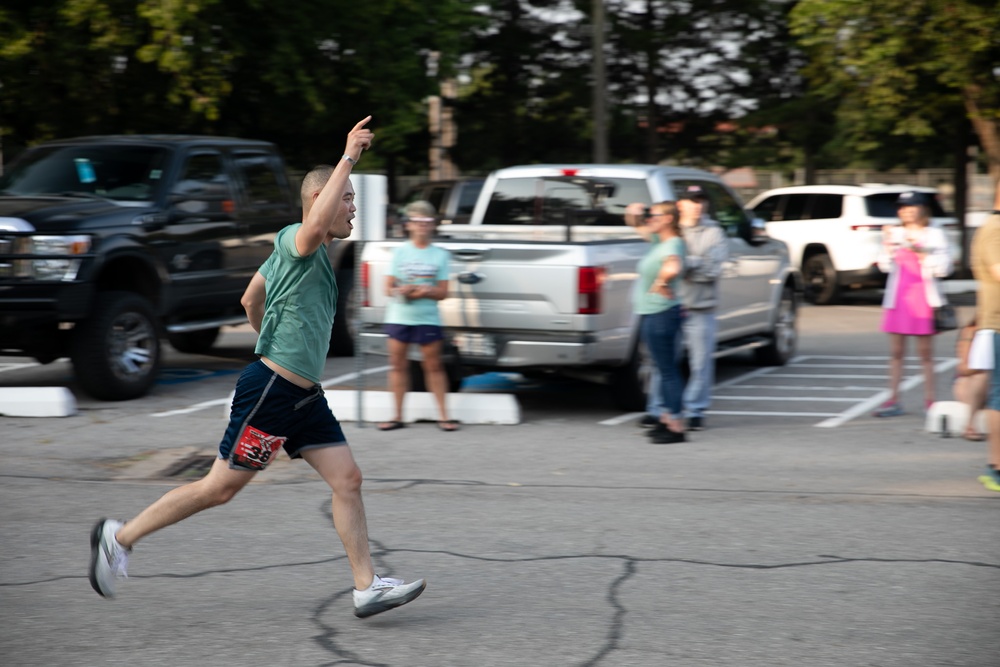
(860, 405)
(868, 406)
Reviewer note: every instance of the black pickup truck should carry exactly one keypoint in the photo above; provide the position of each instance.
(109, 243)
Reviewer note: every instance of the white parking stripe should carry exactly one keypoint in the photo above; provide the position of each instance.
(861, 405)
(879, 398)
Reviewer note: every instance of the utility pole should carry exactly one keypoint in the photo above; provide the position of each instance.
(600, 85)
(441, 125)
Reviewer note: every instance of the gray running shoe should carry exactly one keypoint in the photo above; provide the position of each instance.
(385, 594)
(108, 559)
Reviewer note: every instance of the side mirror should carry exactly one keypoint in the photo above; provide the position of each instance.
(758, 231)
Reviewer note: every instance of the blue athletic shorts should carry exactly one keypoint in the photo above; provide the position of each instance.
(421, 334)
(269, 413)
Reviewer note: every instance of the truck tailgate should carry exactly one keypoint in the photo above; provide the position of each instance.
(518, 285)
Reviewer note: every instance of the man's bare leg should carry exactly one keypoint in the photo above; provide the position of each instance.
(337, 467)
(217, 487)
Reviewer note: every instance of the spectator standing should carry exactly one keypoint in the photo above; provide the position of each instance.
(985, 353)
(656, 301)
(914, 254)
(707, 249)
(417, 280)
(290, 302)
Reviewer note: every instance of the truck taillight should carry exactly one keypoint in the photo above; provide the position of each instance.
(589, 290)
(365, 301)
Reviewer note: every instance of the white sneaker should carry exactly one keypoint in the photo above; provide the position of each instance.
(108, 559)
(385, 594)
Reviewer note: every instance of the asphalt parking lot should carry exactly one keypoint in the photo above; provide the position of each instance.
(567, 539)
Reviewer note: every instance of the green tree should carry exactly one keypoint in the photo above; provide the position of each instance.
(906, 71)
(298, 74)
(680, 67)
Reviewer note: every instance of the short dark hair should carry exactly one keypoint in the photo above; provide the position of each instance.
(315, 180)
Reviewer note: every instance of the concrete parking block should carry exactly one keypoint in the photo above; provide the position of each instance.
(37, 402)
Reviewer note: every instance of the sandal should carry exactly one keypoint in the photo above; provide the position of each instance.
(391, 425)
(974, 436)
(448, 425)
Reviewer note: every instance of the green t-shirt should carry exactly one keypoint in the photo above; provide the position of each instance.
(416, 266)
(299, 307)
(644, 301)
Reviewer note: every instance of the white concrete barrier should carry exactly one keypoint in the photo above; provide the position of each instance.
(418, 406)
(37, 402)
(953, 416)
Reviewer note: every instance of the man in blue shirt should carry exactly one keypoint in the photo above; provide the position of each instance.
(279, 402)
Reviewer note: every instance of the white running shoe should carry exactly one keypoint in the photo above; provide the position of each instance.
(108, 559)
(385, 594)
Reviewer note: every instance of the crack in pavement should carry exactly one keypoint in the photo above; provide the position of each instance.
(328, 637)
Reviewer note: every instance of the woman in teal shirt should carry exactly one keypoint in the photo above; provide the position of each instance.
(656, 300)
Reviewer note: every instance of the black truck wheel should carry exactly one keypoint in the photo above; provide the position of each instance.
(116, 353)
(784, 336)
(194, 342)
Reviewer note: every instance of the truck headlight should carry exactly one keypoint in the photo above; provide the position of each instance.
(69, 249)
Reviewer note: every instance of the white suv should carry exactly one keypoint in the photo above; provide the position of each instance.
(833, 232)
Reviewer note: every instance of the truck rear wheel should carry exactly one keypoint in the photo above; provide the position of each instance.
(116, 353)
(784, 336)
(194, 342)
(630, 383)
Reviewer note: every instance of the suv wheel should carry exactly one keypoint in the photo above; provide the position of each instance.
(630, 383)
(116, 353)
(820, 279)
(784, 336)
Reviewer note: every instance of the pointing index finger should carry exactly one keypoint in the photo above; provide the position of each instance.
(363, 122)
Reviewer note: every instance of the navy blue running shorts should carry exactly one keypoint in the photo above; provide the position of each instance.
(269, 413)
(421, 334)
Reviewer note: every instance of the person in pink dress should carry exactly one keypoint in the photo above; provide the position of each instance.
(914, 254)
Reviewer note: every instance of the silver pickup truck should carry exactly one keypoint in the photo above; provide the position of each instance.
(542, 277)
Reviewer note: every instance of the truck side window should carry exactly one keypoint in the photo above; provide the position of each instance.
(203, 176)
(467, 196)
(723, 207)
(203, 186)
(263, 188)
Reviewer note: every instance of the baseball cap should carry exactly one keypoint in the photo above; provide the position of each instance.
(693, 192)
(913, 198)
(421, 211)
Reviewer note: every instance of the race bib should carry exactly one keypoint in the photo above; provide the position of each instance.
(255, 449)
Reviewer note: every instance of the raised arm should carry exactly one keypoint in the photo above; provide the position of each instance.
(328, 206)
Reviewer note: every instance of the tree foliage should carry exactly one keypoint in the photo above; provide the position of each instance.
(884, 80)
(906, 69)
